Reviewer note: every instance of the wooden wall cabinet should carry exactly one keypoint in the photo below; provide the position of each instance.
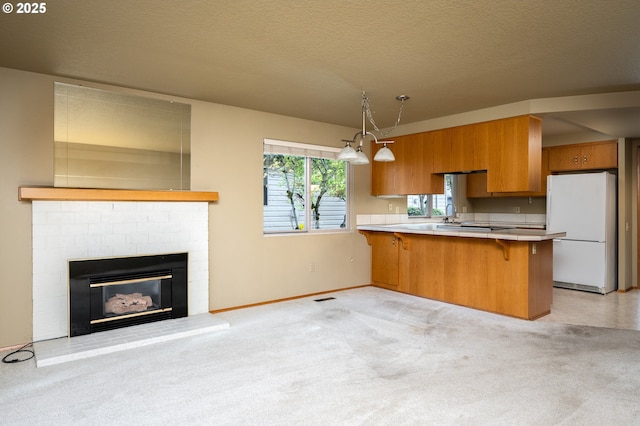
(477, 183)
(411, 172)
(461, 149)
(584, 156)
(440, 142)
(515, 154)
(482, 142)
(509, 149)
(477, 186)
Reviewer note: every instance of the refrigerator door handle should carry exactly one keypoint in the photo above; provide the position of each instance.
(549, 193)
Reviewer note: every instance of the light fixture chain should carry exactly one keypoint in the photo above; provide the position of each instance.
(367, 107)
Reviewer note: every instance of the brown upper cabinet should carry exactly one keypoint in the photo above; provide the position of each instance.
(461, 149)
(410, 173)
(508, 149)
(477, 183)
(515, 148)
(584, 156)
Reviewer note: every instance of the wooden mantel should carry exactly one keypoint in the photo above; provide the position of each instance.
(30, 193)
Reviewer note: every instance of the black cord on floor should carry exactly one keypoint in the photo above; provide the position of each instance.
(17, 351)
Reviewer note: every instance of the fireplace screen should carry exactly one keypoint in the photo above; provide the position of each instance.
(130, 296)
(118, 292)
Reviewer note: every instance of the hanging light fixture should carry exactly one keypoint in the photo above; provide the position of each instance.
(348, 153)
(384, 153)
(356, 156)
(362, 157)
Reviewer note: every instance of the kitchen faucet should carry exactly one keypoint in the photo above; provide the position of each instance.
(449, 218)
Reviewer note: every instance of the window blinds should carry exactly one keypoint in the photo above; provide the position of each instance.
(272, 146)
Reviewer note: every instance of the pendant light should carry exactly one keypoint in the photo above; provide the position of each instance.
(357, 156)
(362, 157)
(384, 153)
(348, 153)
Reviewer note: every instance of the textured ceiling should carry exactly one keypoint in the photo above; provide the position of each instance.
(313, 59)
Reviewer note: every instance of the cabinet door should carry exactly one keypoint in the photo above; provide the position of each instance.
(565, 158)
(384, 259)
(584, 156)
(417, 166)
(423, 266)
(463, 148)
(514, 163)
(440, 141)
(477, 185)
(544, 172)
(384, 175)
(410, 173)
(481, 146)
(459, 149)
(600, 155)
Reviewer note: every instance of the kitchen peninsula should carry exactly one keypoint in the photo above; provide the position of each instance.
(504, 270)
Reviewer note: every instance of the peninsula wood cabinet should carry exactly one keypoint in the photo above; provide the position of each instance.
(384, 259)
(508, 277)
(410, 173)
(584, 156)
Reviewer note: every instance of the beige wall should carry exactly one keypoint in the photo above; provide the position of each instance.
(26, 157)
(245, 266)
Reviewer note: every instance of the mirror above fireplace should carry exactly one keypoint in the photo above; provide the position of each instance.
(105, 139)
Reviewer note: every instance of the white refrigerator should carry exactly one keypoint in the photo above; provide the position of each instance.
(584, 206)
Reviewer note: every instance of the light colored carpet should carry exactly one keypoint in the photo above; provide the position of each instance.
(368, 357)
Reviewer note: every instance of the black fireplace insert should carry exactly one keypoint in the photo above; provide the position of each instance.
(109, 293)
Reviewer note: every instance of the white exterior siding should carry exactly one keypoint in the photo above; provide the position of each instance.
(278, 214)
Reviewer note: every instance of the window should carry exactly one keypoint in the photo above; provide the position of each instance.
(305, 188)
(433, 205)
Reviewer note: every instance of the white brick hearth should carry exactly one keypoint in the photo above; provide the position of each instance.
(70, 230)
(58, 351)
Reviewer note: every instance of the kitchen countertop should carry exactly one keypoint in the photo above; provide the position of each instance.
(466, 230)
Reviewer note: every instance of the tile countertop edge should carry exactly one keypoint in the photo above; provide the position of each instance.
(511, 234)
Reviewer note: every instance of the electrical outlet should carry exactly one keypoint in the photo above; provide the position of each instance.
(534, 248)
(397, 209)
(312, 267)
(516, 210)
(390, 207)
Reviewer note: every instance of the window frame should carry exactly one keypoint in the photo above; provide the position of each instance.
(308, 152)
(430, 200)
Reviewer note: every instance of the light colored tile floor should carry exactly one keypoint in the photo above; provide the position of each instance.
(613, 310)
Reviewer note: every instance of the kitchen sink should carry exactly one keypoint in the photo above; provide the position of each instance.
(471, 228)
(418, 226)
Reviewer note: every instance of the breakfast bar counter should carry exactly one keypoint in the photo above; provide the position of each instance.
(505, 270)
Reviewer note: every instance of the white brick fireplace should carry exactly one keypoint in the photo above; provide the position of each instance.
(66, 230)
